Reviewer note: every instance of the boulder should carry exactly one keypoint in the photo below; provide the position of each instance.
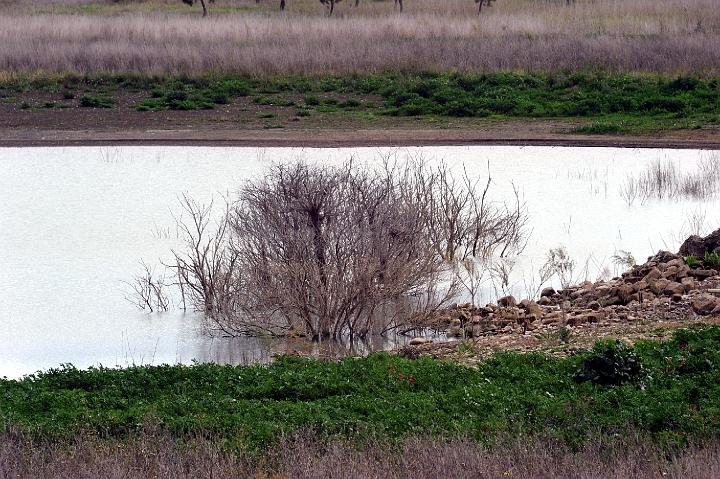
(547, 292)
(673, 289)
(705, 304)
(659, 285)
(610, 301)
(670, 272)
(678, 263)
(580, 293)
(507, 302)
(702, 273)
(653, 274)
(583, 318)
(625, 292)
(663, 257)
(419, 341)
(531, 308)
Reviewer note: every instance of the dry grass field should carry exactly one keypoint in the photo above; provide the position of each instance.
(158, 455)
(245, 37)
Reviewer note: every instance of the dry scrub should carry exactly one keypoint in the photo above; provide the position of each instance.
(153, 454)
(634, 35)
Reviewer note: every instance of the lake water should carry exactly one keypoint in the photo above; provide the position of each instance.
(75, 222)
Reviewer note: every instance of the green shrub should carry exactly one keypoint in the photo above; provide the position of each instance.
(152, 104)
(234, 87)
(601, 128)
(712, 259)
(96, 101)
(691, 261)
(610, 364)
(311, 100)
(349, 103)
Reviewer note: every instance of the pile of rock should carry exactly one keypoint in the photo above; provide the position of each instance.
(664, 288)
(697, 246)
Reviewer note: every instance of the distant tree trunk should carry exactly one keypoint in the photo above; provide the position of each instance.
(282, 4)
(332, 6)
(202, 2)
(399, 2)
(357, 2)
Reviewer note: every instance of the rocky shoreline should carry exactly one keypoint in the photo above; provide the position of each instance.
(663, 293)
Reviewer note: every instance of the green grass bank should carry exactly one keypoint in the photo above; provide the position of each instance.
(667, 391)
(616, 103)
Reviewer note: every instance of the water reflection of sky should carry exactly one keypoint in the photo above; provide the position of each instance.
(74, 223)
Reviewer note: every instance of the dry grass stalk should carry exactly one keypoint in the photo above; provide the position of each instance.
(666, 180)
(153, 38)
(155, 454)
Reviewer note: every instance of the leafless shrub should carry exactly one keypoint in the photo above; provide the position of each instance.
(539, 277)
(337, 251)
(560, 264)
(149, 290)
(623, 259)
(500, 272)
(206, 266)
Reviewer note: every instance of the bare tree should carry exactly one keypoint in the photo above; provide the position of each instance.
(330, 4)
(202, 2)
(282, 3)
(484, 2)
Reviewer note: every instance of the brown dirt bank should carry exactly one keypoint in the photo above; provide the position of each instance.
(503, 134)
(256, 125)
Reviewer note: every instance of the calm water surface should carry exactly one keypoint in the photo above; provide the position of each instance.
(75, 222)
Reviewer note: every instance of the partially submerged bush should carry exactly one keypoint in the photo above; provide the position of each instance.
(334, 251)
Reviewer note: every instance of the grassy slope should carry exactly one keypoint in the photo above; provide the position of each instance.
(677, 396)
(608, 103)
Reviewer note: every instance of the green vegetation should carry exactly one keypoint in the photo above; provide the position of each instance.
(710, 260)
(616, 103)
(667, 391)
(96, 101)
